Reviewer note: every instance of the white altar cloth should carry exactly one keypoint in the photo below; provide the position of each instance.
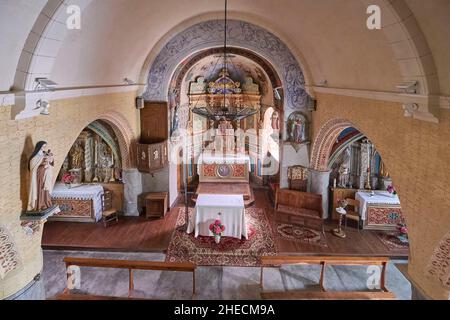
(232, 215)
(380, 198)
(92, 192)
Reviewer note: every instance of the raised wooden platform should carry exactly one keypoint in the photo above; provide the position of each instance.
(137, 234)
(227, 188)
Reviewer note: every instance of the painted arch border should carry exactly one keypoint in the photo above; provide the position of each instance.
(180, 43)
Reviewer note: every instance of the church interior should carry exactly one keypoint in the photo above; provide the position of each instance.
(257, 150)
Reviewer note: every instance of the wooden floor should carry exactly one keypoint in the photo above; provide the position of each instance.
(142, 235)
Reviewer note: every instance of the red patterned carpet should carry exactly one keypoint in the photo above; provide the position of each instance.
(392, 242)
(204, 251)
(301, 234)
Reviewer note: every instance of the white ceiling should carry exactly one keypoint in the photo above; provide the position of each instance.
(329, 38)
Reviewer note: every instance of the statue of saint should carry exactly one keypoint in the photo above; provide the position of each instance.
(275, 122)
(77, 155)
(41, 178)
(384, 173)
(297, 131)
(344, 169)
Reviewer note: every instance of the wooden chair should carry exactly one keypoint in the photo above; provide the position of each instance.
(353, 212)
(109, 212)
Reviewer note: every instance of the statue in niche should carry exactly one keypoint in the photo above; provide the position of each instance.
(275, 121)
(344, 169)
(40, 165)
(176, 120)
(104, 155)
(198, 87)
(296, 129)
(250, 87)
(77, 156)
(384, 173)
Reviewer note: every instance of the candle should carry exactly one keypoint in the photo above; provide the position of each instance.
(95, 152)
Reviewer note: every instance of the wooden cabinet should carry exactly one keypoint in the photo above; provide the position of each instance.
(340, 193)
(156, 205)
(152, 157)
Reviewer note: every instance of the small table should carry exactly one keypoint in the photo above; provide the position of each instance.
(229, 209)
(156, 204)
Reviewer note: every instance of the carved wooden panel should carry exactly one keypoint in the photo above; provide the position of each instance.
(72, 208)
(224, 172)
(154, 122)
(152, 157)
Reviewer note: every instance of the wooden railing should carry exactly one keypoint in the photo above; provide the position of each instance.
(277, 261)
(131, 266)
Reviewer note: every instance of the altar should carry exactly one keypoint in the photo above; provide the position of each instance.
(379, 210)
(78, 204)
(218, 167)
(229, 209)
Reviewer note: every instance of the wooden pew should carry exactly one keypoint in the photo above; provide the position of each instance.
(126, 264)
(299, 207)
(324, 261)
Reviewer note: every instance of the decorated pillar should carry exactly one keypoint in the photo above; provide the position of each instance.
(365, 162)
(319, 183)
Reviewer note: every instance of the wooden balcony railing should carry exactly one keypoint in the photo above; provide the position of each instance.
(277, 261)
(131, 266)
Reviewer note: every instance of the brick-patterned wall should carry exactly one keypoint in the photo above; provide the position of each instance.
(67, 119)
(417, 154)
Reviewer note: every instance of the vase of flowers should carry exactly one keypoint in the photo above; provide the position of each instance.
(68, 179)
(403, 232)
(342, 203)
(392, 190)
(217, 229)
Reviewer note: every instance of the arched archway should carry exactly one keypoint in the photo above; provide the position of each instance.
(208, 34)
(325, 151)
(324, 141)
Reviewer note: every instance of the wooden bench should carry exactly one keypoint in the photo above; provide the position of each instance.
(323, 294)
(131, 266)
(300, 207)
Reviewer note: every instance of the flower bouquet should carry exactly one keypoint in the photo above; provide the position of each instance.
(392, 190)
(403, 232)
(217, 228)
(68, 179)
(342, 203)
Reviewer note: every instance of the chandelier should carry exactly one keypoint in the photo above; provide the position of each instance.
(228, 108)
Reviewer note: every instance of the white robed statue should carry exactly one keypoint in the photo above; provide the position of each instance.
(41, 178)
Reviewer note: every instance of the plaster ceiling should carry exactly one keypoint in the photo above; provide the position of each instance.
(329, 37)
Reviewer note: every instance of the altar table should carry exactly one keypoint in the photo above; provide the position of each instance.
(82, 203)
(380, 211)
(227, 167)
(229, 209)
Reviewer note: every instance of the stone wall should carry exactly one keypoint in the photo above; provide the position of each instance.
(68, 117)
(417, 154)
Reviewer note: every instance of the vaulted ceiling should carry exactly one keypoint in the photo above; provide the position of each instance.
(119, 38)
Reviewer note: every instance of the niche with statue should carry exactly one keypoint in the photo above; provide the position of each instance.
(94, 157)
